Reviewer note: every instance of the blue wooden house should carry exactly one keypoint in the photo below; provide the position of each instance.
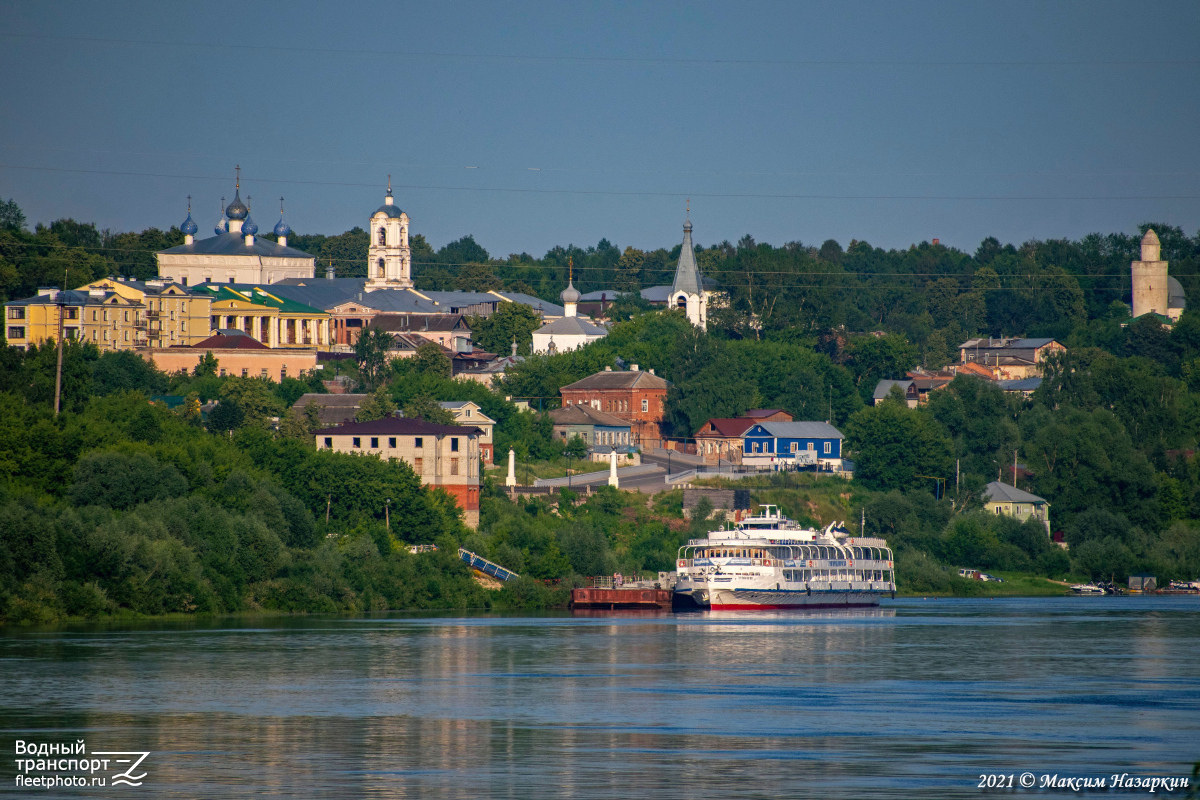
(793, 443)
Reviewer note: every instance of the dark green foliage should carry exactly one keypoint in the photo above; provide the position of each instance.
(511, 322)
(122, 481)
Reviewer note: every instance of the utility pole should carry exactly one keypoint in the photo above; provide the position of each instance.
(62, 312)
(957, 463)
(1014, 469)
(328, 502)
(387, 513)
(862, 526)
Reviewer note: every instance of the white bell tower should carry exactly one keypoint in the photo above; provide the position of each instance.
(389, 259)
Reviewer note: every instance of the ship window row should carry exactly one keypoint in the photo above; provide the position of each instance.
(836, 575)
(800, 551)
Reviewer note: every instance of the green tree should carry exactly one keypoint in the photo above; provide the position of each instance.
(255, 397)
(375, 406)
(875, 358)
(629, 270)
(576, 447)
(11, 216)
(371, 353)
(430, 359)
(511, 322)
(207, 365)
(896, 447)
(425, 407)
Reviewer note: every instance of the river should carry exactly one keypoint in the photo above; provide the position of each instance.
(915, 699)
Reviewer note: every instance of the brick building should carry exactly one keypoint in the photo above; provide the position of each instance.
(635, 396)
(445, 456)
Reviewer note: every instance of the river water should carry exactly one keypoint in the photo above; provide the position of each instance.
(914, 699)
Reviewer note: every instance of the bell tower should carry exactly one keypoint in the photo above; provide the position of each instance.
(389, 259)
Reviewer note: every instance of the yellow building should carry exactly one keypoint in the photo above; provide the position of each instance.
(113, 314)
(272, 320)
(1000, 498)
(171, 315)
(106, 319)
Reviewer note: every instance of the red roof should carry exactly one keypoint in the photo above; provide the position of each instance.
(225, 341)
(763, 413)
(732, 428)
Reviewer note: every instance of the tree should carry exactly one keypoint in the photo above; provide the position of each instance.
(897, 447)
(122, 481)
(226, 416)
(875, 358)
(629, 270)
(431, 359)
(423, 406)
(375, 406)
(126, 371)
(255, 397)
(476, 278)
(576, 447)
(511, 322)
(207, 366)
(11, 216)
(371, 352)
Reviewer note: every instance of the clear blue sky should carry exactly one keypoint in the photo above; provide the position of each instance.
(788, 121)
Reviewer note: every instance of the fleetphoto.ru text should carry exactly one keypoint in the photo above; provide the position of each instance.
(47, 765)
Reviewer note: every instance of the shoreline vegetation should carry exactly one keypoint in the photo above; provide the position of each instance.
(120, 505)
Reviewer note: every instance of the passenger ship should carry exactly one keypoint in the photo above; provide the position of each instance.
(770, 562)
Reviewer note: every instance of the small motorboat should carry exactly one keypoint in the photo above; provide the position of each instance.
(1087, 589)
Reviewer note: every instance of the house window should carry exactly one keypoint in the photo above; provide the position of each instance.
(374, 442)
(72, 313)
(127, 316)
(645, 406)
(16, 333)
(811, 446)
(19, 313)
(222, 368)
(329, 441)
(357, 442)
(245, 372)
(454, 466)
(381, 269)
(94, 317)
(264, 372)
(795, 446)
(468, 412)
(454, 445)
(184, 280)
(595, 404)
(827, 446)
(383, 236)
(392, 441)
(208, 279)
(418, 465)
(418, 442)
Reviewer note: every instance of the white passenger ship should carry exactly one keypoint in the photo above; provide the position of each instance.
(770, 562)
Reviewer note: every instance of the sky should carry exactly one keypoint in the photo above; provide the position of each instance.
(530, 125)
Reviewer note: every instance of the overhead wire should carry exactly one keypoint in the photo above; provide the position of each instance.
(638, 60)
(618, 193)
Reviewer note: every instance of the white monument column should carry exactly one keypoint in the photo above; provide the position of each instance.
(511, 480)
(612, 469)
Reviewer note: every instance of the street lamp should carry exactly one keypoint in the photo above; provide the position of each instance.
(387, 513)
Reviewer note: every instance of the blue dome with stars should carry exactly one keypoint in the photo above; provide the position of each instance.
(281, 228)
(237, 209)
(248, 227)
(221, 227)
(189, 227)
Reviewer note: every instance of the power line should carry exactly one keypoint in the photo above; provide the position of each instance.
(609, 171)
(617, 193)
(666, 268)
(640, 60)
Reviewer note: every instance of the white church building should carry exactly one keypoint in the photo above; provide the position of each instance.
(389, 258)
(571, 331)
(687, 292)
(236, 254)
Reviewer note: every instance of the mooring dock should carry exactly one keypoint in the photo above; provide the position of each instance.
(633, 597)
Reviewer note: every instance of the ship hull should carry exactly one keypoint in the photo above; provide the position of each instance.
(775, 599)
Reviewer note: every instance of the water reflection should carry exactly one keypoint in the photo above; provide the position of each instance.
(912, 699)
